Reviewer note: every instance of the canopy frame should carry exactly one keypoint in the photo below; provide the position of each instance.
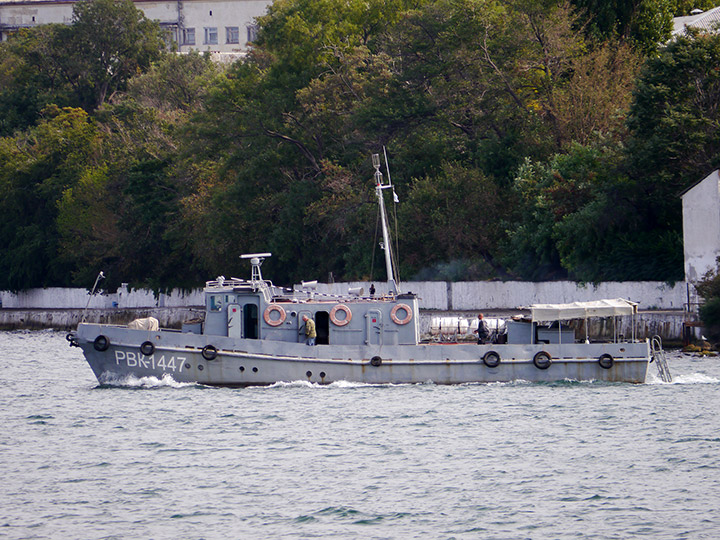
(583, 310)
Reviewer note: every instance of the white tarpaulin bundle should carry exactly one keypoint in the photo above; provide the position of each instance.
(151, 323)
(582, 310)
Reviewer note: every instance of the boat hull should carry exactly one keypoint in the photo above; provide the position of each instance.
(242, 362)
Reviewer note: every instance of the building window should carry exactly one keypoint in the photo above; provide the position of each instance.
(233, 34)
(188, 36)
(252, 31)
(211, 37)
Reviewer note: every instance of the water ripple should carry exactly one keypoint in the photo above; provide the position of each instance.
(152, 458)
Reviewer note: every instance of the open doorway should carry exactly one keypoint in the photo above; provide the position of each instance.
(322, 325)
(250, 321)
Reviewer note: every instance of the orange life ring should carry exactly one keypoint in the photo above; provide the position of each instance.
(345, 310)
(396, 319)
(268, 312)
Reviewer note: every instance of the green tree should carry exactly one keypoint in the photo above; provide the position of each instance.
(684, 7)
(32, 75)
(36, 168)
(452, 216)
(647, 23)
(79, 65)
(126, 216)
(113, 41)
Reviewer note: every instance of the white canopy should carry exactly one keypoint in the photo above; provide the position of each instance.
(582, 310)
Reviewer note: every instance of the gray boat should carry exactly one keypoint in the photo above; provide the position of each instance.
(253, 333)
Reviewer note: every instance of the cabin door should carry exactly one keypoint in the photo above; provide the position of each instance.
(373, 327)
(234, 318)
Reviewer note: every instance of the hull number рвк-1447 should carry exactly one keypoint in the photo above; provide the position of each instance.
(132, 359)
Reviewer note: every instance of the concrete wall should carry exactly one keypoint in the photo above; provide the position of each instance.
(476, 295)
(60, 298)
(434, 295)
(701, 226)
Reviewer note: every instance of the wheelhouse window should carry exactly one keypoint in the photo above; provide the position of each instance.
(211, 35)
(232, 34)
(216, 302)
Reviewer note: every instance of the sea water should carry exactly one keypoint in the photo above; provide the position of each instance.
(156, 459)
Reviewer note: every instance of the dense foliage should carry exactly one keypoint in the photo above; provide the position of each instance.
(526, 139)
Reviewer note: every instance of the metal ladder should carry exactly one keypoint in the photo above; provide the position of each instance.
(660, 359)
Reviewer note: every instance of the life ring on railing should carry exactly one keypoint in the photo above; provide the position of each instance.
(101, 343)
(398, 320)
(268, 313)
(345, 310)
(491, 359)
(542, 360)
(606, 361)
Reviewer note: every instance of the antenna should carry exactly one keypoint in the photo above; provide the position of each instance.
(256, 260)
(92, 293)
(386, 246)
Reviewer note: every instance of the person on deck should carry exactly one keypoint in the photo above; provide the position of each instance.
(310, 332)
(483, 331)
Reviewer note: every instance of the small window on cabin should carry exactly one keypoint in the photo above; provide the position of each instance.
(216, 303)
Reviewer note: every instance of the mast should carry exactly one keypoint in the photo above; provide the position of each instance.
(386, 246)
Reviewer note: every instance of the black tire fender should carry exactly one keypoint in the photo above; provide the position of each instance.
(606, 361)
(147, 348)
(209, 352)
(542, 360)
(375, 361)
(491, 359)
(101, 343)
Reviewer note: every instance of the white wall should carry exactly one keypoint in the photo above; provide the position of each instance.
(35, 13)
(437, 295)
(701, 227)
(475, 295)
(498, 294)
(60, 298)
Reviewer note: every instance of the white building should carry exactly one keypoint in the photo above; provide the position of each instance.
(219, 26)
(701, 226)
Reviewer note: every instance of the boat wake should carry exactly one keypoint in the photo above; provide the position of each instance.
(111, 380)
(335, 384)
(689, 378)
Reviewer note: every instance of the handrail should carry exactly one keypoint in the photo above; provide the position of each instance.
(660, 359)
